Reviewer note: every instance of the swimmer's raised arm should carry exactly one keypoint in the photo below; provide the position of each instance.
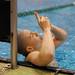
(59, 33)
(46, 53)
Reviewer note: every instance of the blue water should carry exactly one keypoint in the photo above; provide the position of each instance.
(64, 18)
(27, 5)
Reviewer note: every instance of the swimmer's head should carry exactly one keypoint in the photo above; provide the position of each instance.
(29, 41)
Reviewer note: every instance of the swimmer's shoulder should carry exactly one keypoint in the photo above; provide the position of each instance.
(20, 31)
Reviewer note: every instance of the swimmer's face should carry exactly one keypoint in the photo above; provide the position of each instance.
(33, 40)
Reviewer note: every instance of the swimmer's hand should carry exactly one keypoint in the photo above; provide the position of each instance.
(43, 22)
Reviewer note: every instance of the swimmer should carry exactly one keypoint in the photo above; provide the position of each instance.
(41, 50)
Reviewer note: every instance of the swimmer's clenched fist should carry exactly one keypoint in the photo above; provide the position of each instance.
(43, 22)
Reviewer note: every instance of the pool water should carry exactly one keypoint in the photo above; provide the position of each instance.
(64, 18)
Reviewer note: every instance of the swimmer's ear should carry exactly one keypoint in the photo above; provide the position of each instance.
(29, 48)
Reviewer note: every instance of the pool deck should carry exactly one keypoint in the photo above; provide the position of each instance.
(22, 70)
